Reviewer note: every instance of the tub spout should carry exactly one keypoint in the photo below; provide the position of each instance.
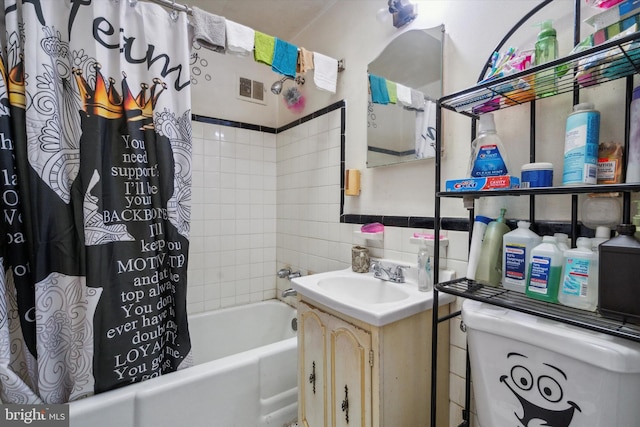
(289, 293)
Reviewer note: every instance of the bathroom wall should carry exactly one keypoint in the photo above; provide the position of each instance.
(233, 259)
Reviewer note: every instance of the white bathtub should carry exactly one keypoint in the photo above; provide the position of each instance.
(244, 375)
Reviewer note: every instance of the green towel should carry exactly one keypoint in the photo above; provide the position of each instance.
(393, 92)
(264, 48)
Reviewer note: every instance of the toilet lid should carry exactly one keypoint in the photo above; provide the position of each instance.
(598, 349)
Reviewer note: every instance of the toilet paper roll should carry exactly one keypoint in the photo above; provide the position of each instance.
(352, 182)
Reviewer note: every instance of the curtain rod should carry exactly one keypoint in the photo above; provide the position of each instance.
(173, 5)
(184, 8)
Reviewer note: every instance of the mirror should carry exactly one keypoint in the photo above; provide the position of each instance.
(409, 70)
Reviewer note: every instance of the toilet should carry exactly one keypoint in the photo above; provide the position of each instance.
(530, 371)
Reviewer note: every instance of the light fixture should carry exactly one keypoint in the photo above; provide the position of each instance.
(403, 11)
(276, 87)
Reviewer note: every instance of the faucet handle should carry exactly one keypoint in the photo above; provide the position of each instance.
(399, 273)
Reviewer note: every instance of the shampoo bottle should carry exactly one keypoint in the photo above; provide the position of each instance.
(545, 271)
(489, 271)
(488, 156)
(516, 251)
(425, 281)
(579, 287)
(546, 49)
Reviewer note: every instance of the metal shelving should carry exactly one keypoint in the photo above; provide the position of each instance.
(517, 301)
(613, 60)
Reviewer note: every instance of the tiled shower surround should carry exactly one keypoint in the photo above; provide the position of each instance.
(267, 198)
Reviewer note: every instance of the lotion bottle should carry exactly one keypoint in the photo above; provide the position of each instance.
(489, 271)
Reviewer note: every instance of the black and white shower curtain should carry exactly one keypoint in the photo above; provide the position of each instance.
(95, 188)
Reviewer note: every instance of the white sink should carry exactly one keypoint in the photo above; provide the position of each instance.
(366, 298)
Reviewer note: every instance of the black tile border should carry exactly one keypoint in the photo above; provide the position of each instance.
(451, 224)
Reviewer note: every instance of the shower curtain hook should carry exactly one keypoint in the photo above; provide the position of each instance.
(174, 12)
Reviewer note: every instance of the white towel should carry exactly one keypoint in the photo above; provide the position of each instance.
(404, 94)
(240, 38)
(209, 29)
(325, 74)
(426, 131)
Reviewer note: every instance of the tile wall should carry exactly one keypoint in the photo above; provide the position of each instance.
(264, 200)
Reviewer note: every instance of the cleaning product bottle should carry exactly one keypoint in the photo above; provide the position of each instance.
(563, 241)
(488, 156)
(579, 286)
(489, 271)
(479, 228)
(516, 249)
(619, 269)
(636, 220)
(425, 281)
(545, 271)
(546, 49)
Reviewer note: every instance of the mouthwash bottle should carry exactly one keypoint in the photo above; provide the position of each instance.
(488, 156)
(546, 49)
(545, 271)
(579, 286)
(489, 271)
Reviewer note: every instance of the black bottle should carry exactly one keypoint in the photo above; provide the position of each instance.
(619, 276)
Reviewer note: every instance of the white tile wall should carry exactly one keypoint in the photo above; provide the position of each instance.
(263, 201)
(232, 253)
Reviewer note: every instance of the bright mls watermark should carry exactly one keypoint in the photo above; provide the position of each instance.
(34, 415)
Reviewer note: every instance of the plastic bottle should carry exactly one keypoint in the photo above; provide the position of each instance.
(516, 249)
(619, 269)
(579, 286)
(582, 137)
(633, 162)
(602, 235)
(479, 228)
(546, 49)
(488, 156)
(425, 280)
(545, 270)
(562, 240)
(489, 270)
(636, 220)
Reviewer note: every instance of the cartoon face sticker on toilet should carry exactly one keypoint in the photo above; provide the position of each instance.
(539, 389)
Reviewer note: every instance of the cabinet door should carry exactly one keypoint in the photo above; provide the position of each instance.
(312, 367)
(350, 375)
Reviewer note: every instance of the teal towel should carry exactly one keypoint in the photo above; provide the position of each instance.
(379, 92)
(285, 58)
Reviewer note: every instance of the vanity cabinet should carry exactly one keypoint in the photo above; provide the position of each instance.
(355, 374)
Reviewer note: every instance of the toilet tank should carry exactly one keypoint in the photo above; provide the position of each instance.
(529, 371)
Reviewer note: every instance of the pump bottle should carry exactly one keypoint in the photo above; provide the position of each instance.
(425, 281)
(488, 156)
(546, 49)
(489, 271)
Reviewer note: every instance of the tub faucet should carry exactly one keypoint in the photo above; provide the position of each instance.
(289, 293)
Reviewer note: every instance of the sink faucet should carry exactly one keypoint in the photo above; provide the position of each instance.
(392, 273)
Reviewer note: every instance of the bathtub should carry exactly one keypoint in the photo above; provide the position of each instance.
(244, 375)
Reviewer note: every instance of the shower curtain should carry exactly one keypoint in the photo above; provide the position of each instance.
(95, 188)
